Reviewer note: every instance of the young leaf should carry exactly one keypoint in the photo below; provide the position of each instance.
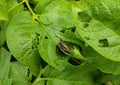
(3, 10)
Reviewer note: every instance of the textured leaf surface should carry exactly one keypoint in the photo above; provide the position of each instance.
(105, 11)
(59, 13)
(20, 37)
(4, 67)
(80, 75)
(101, 38)
(14, 8)
(19, 74)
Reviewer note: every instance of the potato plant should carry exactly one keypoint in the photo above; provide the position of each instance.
(59, 42)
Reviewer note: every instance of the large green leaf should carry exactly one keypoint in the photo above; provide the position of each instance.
(103, 64)
(59, 13)
(21, 39)
(19, 74)
(3, 10)
(81, 75)
(101, 38)
(4, 67)
(105, 11)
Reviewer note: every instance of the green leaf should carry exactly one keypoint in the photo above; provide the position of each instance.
(3, 28)
(105, 11)
(101, 38)
(69, 36)
(19, 74)
(59, 13)
(48, 45)
(98, 61)
(20, 36)
(3, 10)
(81, 75)
(4, 67)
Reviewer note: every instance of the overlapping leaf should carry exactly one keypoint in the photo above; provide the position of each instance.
(81, 75)
(101, 38)
(20, 36)
(19, 74)
(103, 64)
(58, 12)
(48, 45)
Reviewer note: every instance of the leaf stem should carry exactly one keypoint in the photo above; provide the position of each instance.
(35, 16)
(39, 75)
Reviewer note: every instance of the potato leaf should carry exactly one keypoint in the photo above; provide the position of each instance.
(20, 37)
(101, 38)
(19, 74)
(70, 76)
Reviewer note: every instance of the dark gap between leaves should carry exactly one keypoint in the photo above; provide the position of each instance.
(44, 64)
(63, 30)
(28, 72)
(103, 84)
(85, 25)
(87, 38)
(31, 4)
(45, 83)
(46, 37)
(74, 62)
(59, 52)
(13, 59)
(5, 46)
(25, 7)
(33, 78)
(73, 29)
(0, 29)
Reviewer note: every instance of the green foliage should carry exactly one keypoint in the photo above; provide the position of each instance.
(59, 42)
